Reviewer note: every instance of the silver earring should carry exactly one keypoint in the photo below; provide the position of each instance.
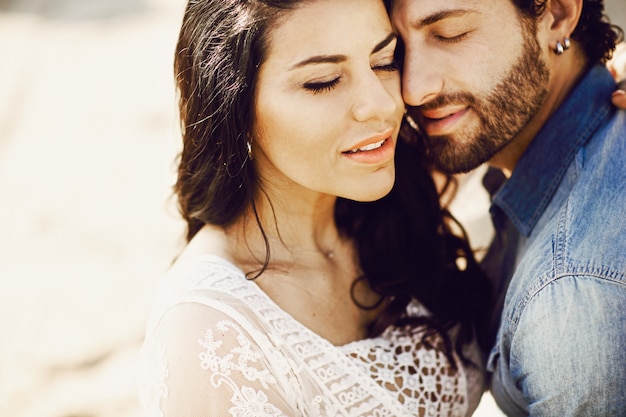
(559, 48)
(566, 44)
(249, 146)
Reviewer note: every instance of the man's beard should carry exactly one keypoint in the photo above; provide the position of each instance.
(503, 113)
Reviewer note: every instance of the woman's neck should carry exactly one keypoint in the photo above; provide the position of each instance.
(297, 228)
(311, 271)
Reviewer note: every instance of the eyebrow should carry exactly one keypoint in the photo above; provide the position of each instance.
(382, 44)
(334, 59)
(445, 14)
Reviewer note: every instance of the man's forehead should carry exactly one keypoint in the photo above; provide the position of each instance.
(422, 7)
(421, 13)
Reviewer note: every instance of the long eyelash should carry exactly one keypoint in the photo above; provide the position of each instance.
(317, 88)
(393, 66)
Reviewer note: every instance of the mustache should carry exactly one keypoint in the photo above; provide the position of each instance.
(444, 99)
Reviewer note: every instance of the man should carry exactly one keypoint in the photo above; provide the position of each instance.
(520, 84)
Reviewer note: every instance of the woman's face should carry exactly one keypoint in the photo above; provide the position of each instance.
(328, 103)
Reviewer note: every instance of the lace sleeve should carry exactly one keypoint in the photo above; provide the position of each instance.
(201, 362)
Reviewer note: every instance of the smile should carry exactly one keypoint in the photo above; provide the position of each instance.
(369, 147)
(374, 153)
(439, 118)
(441, 123)
(443, 112)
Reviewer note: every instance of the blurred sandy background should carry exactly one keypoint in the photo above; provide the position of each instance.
(88, 136)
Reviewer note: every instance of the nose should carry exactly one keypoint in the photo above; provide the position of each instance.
(377, 97)
(421, 79)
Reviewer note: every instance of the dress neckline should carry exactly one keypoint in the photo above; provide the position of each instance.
(224, 263)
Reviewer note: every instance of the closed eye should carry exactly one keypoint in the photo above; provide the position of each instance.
(451, 39)
(317, 88)
(392, 66)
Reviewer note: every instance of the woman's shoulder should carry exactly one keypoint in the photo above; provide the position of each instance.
(205, 280)
(201, 355)
(190, 275)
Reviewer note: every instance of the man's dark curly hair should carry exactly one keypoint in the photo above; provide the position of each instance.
(594, 31)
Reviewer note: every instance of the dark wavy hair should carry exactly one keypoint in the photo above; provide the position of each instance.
(408, 249)
(220, 47)
(405, 244)
(594, 32)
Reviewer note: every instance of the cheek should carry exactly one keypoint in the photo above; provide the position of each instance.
(296, 123)
(394, 88)
(274, 125)
(292, 142)
(284, 128)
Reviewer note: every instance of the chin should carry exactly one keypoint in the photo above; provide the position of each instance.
(373, 190)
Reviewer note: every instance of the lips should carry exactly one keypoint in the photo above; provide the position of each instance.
(443, 112)
(375, 150)
(372, 143)
(443, 120)
(369, 147)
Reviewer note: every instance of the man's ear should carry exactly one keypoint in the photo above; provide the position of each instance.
(562, 18)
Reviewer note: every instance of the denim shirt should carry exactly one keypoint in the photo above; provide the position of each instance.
(561, 343)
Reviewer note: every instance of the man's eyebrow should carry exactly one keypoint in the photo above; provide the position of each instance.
(334, 59)
(444, 14)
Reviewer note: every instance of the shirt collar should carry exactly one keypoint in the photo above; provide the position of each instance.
(541, 168)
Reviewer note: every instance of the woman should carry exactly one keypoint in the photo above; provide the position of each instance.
(312, 285)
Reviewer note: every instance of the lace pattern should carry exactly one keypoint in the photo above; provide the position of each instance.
(262, 362)
(419, 375)
(246, 401)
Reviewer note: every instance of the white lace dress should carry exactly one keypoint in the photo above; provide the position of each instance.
(218, 346)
